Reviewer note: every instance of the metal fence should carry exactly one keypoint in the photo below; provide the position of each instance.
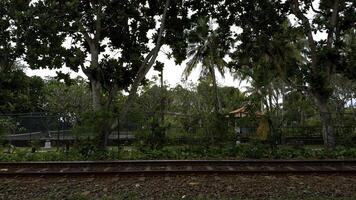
(177, 128)
(20, 129)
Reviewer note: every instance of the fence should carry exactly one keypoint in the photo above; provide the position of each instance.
(175, 128)
(20, 129)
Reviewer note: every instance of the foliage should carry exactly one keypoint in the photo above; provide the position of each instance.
(6, 125)
(35, 145)
(91, 29)
(188, 113)
(92, 125)
(262, 130)
(70, 101)
(20, 93)
(153, 136)
(204, 48)
(242, 151)
(292, 52)
(11, 46)
(281, 60)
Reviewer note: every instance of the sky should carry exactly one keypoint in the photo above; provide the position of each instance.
(172, 73)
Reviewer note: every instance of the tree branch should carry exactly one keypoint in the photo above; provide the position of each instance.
(294, 85)
(307, 29)
(333, 22)
(98, 24)
(145, 67)
(316, 11)
(86, 71)
(87, 38)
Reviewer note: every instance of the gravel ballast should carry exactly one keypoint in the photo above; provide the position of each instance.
(181, 187)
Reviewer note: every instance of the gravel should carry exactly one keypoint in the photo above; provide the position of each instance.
(181, 187)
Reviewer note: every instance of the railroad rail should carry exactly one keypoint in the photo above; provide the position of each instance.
(164, 167)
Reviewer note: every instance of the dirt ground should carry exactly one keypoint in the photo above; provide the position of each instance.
(181, 187)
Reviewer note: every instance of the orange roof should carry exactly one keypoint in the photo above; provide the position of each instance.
(238, 112)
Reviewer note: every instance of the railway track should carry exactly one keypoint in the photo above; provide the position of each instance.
(164, 167)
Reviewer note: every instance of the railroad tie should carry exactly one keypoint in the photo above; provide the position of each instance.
(167, 167)
(107, 169)
(167, 178)
(350, 168)
(64, 169)
(20, 170)
(290, 168)
(310, 168)
(331, 168)
(43, 170)
(270, 168)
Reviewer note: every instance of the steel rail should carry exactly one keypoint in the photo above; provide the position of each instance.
(164, 167)
(353, 161)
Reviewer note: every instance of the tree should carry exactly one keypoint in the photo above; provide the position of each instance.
(344, 91)
(231, 98)
(70, 101)
(10, 41)
(266, 91)
(324, 57)
(146, 65)
(304, 63)
(20, 93)
(204, 48)
(92, 27)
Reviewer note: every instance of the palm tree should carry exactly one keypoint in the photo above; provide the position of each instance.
(205, 49)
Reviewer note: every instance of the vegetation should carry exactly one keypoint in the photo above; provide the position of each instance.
(300, 87)
(86, 151)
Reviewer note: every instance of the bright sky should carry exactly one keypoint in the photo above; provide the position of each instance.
(172, 73)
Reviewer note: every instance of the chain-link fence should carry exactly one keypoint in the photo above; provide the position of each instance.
(174, 129)
(21, 129)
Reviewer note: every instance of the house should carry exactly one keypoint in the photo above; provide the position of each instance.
(247, 125)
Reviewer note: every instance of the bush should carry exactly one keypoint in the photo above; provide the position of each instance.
(154, 137)
(6, 125)
(35, 145)
(242, 151)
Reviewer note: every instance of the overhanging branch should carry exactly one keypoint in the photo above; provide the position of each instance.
(145, 67)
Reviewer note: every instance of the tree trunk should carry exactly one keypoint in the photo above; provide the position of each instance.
(271, 137)
(353, 106)
(162, 98)
(101, 139)
(101, 106)
(327, 123)
(217, 100)
(96, 92)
